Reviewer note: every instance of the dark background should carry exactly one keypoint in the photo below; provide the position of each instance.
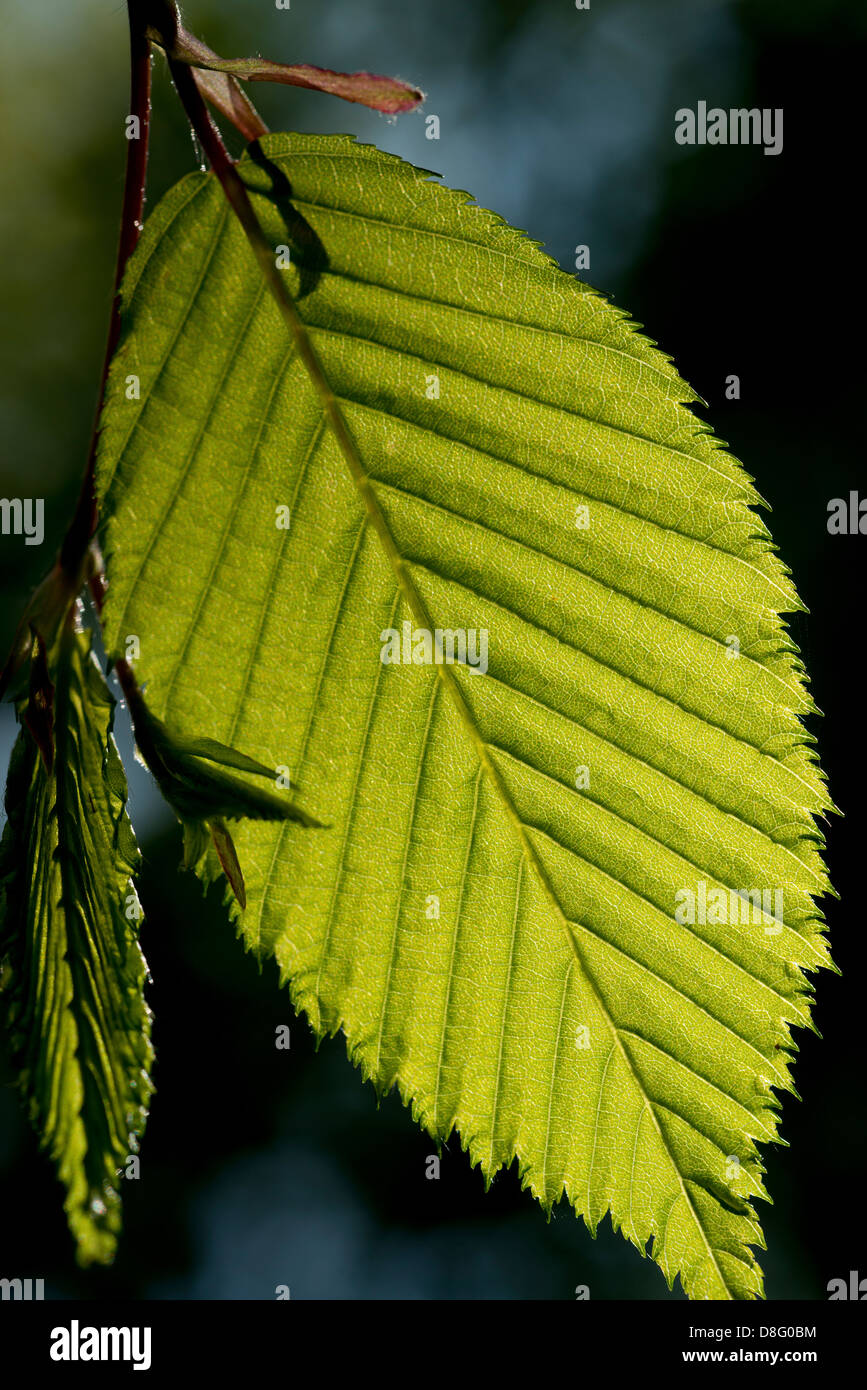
(263, 1168)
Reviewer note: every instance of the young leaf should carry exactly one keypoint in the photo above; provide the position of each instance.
(202, 796)
(72, 999)
(386, 94)
(183, 768)
(499, 917)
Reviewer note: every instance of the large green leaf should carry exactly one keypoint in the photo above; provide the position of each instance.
(73, 972)
(493, 929)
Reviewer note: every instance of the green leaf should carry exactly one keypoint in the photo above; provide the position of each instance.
(202, 796)
(73, 978)
(491, 918)
(198, 791)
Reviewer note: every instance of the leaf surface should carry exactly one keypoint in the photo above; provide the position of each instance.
(491, 916)
(73, 972)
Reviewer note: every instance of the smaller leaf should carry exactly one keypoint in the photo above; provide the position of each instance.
(386, 94)
(216, 752)
(202, 797)
(228, 857)
(73, 975)
(196, 845)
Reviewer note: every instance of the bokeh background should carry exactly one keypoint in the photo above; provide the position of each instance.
(263, 1168)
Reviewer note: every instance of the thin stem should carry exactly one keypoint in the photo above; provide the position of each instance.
(84, 523)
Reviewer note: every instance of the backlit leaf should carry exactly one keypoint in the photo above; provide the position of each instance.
(73, 972)
(496, 916)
